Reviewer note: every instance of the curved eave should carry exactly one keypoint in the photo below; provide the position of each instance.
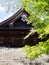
(13, 17)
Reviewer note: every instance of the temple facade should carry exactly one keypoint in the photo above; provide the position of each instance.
(14, 29)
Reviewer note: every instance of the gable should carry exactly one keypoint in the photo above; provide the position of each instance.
(18, 21)
(19, 24)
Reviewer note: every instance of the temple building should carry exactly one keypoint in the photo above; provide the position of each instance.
(14, 29)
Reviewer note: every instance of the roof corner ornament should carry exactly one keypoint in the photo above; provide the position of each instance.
(11, 25)
(23, 17)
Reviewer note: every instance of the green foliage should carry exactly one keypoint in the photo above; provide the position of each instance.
(34, 51)
(39, 15)
(39, 18)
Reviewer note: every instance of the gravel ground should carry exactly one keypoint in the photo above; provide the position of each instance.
(15, 56)
(11, 56)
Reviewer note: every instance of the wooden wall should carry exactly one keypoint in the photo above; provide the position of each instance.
(15, 37)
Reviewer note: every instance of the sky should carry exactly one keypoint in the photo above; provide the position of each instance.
(8, 8)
